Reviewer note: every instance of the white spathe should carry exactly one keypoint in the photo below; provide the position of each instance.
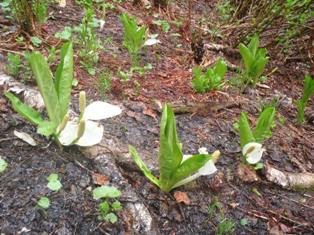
(93, 131)
(100, 110)
(253, 152)
(208, 169)
(151, 41)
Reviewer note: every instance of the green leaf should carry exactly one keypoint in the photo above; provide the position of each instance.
(104, 208)
(111, 217)
(106, 192)
(142, 166)
(46, 86)
(307, 93)
(44, 202)
(3, 165)
(66, 34)
(190, 166)
(36, 41)
(116, 206)
(253, 45)
(264, 124)
(170, 154)
(220, 68)
(24, 110)
(247, 56)
(46, 128)
(64, 77)
(246, 135)
(53, 183)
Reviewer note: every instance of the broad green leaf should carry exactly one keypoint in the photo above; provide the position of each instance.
(259, 67)
(142, 165)
(190, 166)
(24, 110)
(247, 56)
(246, 135)
(106, 192)
(44, 202)
(220, 68)
(264, 124)
(308, 88)
(64, 77)
(170, 155)
(46, 86)
(307, 93)
(253, 45)
(46, 128)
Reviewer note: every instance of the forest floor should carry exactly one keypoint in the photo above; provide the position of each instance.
(236, 193)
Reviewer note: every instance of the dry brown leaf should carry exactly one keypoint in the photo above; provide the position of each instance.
(100, 179)
(182, 197)
(247, 174)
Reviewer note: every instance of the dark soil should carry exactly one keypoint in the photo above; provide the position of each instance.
(267, 208)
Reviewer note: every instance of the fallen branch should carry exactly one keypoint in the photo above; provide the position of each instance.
(288, 180)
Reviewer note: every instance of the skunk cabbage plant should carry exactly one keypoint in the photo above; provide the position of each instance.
(84, 131)
(254, 59)
(176, 169)
(307, 93)
(250, 140)
(56, 94)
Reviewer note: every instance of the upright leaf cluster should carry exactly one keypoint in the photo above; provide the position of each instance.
(307, 93)
(262, 130)
(56, 94)
(254, 60)
(212, 79)
(173, 168)
(134, 36)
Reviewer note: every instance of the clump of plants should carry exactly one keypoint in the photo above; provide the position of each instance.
(30, 14)
(176, 169)
(56, 94)
(134, 37)
(251, 139)
(87, 39)
(254, 60)
(109, 205)
(211, 80)
(308, 91)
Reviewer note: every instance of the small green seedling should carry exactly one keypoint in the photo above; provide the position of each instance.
(307, 93)
(43, 203)
(65, 34)
(3, 165)
(250, 140)
(107, 209)
(176, 169)
(36, 41)
(14, 64)
(134, 37)
(254, 60)
(54, 183)
(226, 226)
(212, 79)
(164, 25)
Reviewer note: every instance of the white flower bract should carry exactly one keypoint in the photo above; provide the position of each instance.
(253, 152)
(93, 131)
(208, 169)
